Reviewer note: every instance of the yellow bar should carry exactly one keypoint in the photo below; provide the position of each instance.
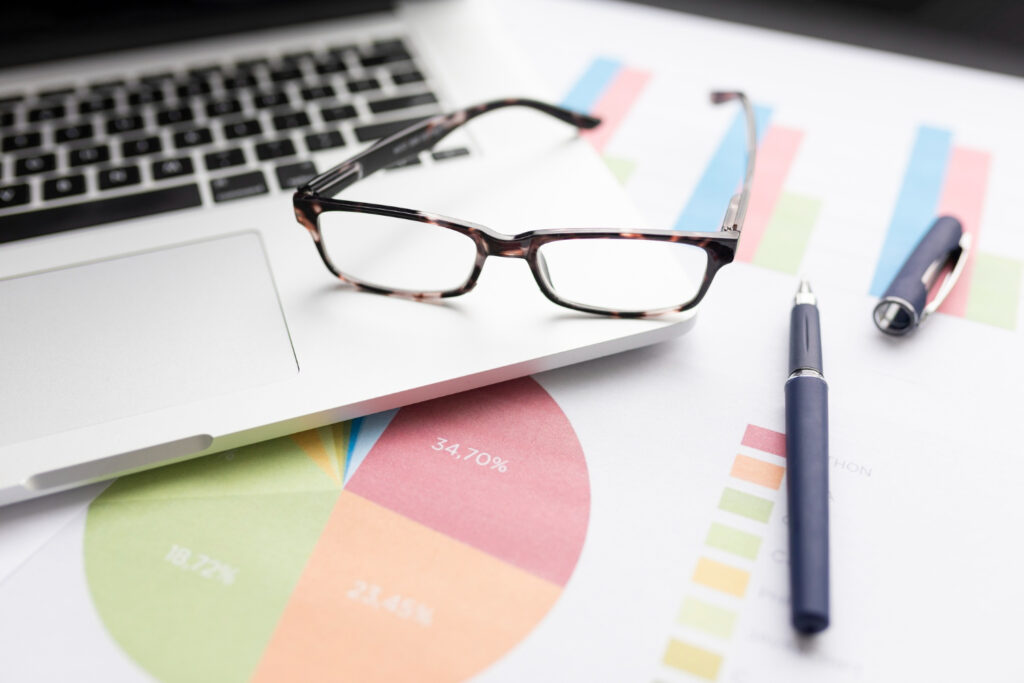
(721, 577)
(693, 660)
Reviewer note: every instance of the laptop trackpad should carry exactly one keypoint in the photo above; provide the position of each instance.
(99, 341)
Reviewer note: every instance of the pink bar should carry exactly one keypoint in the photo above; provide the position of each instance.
(765, 440)
(531, 515)
(963, 196)
(615, 104)
(775, 156)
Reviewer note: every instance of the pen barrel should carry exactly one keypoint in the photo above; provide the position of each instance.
(807, 495)
(918, 272)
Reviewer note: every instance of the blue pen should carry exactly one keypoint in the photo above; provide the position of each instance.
(807, 467)
(905, 304)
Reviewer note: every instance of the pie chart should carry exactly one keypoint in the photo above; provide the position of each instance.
(421, 544)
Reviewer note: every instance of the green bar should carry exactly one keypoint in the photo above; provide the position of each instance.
(622, 168)
(995, 291)
(733, 541)
(785, 238)
(754, 507)
(691, 659)
(707, 617)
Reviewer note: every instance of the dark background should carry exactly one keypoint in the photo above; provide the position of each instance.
(987, 34)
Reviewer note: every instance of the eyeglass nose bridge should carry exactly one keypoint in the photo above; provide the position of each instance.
(508, 248)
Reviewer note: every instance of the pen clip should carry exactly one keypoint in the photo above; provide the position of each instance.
(950, 281)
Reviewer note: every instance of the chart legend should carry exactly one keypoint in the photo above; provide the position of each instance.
(711, 605)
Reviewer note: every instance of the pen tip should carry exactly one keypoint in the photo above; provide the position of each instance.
(804, 295)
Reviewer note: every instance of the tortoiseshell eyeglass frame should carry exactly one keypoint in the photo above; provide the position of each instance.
(316, 197)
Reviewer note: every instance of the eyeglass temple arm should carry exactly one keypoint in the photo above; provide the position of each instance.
(422, 136)
(737, 210)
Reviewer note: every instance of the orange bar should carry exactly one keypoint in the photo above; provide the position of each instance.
(757, 472)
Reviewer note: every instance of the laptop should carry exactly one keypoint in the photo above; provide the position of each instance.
(158, 300)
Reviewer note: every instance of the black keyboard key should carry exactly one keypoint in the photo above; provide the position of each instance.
(169, 117)
(124, 124)
(106, 86)
(119, 177)
(330, 66)
(193, 138)
(58, 188)
(171, 168)
(158, 79)
(251, 64)
(74, 216)
(47, 113)
(96, 103)
(82, 131)
(145, 96)
(204, 72)
(270, 99)
(239, 186)
(285, 74)
(240, 80)
(223, 108)
(192, 88)
(6, 100)
(326, 140)
(13, 195)
(37, 164)
(134, 148)
(20, 141)
(376, 131)
(363, 85)
(379, 59)
(317, 92)
(339, 51)
(292, 119)
(293, 175)
(407, 77)
(296, 58)
(274, 149)
(56, 93)
(88, 155)
(345, 111)
(224, 159)
(390, 45)
(405, 163)
(6, 119)
(242, 129)
(442, 154)
(404, 102)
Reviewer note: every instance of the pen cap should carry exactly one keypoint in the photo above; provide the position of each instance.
(901, 306)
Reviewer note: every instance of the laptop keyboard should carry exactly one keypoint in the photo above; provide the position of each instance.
(125, 148)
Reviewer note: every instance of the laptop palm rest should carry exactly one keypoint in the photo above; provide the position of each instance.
(105, 340)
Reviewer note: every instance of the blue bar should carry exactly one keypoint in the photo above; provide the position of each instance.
(722, 177)
(916, 204)
(592, 84)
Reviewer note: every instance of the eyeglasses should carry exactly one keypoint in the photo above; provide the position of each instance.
(397, 251)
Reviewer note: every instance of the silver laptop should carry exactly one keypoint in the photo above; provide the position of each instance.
(159, 301)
